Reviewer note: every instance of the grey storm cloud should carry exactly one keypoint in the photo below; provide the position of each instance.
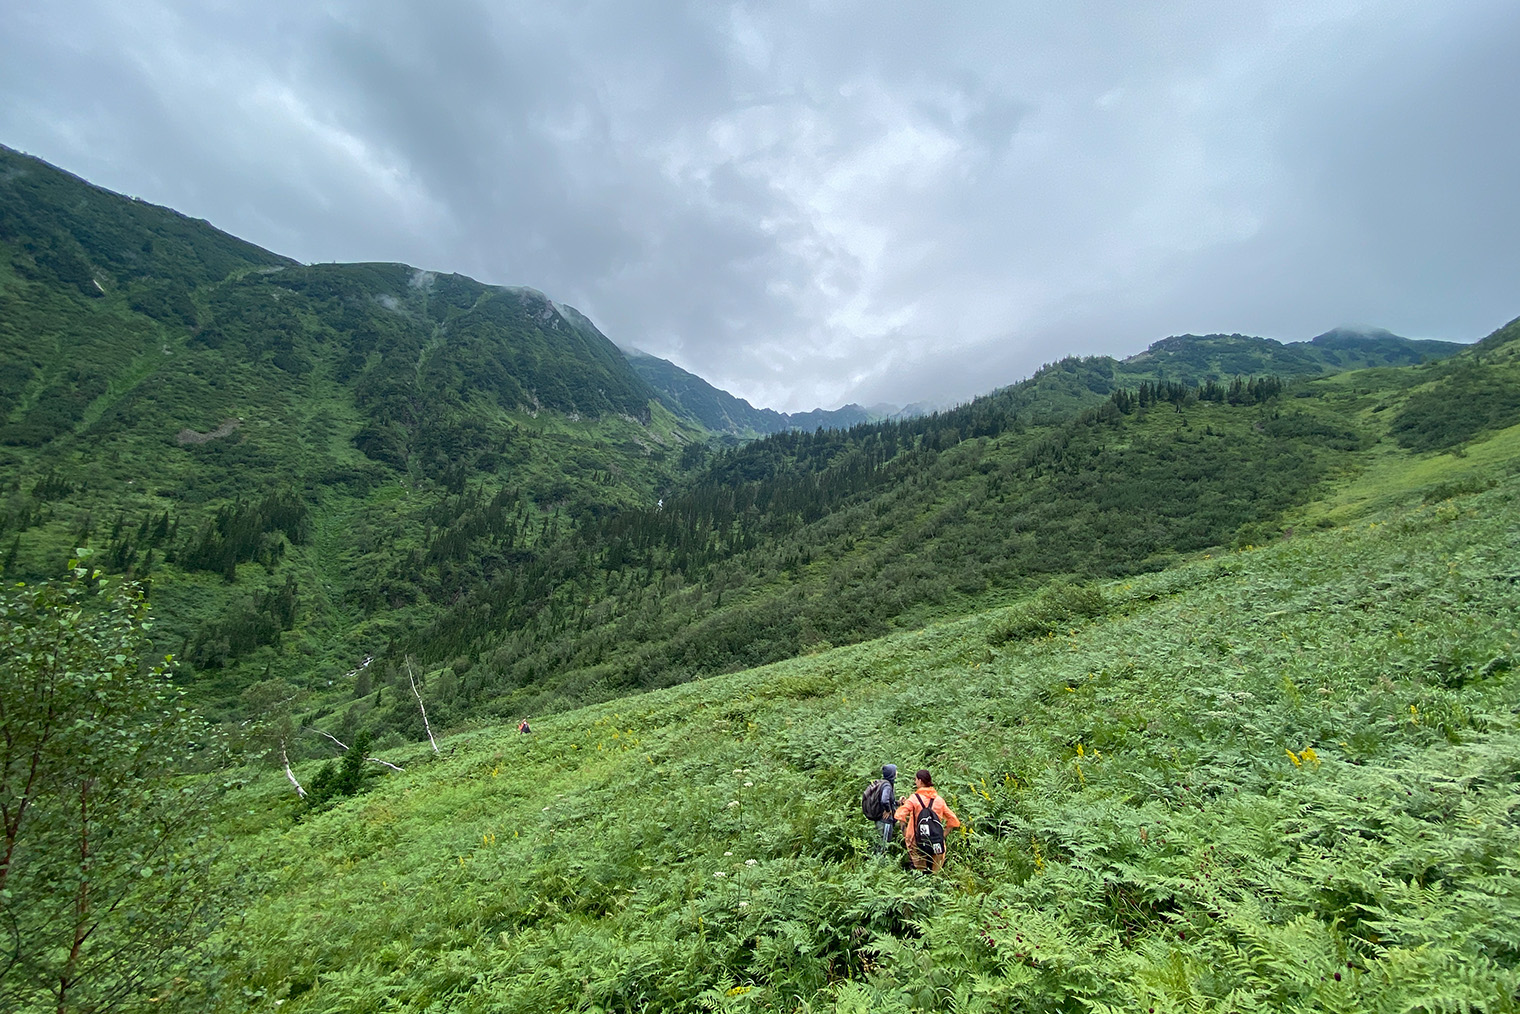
(810, 203)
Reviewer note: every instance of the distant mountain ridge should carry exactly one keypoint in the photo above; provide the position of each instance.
(1187, 358)
(318, 463)
(1220, 357)
(689, 396)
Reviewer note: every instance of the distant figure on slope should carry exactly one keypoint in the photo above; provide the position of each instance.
(925, 819)
(879, 801)
(522, 727)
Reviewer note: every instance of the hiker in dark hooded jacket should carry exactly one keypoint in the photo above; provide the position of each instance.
(888, 805)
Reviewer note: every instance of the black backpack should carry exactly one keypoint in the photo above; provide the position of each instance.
(929, 830)
(870, 801)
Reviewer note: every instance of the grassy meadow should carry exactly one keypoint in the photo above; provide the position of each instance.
(1277, 778)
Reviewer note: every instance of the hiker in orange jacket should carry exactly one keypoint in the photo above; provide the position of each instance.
(910, 814)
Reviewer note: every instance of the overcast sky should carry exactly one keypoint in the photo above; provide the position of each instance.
(813, 203)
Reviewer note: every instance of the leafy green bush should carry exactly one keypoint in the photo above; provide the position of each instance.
(1053, 610)
(1457, 487)
(104, 886)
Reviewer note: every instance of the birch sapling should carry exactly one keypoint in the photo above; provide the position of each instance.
(105, 885)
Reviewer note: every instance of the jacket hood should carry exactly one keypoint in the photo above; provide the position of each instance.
(889, 772)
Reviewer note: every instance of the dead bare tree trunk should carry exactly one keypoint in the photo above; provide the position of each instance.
(341, 745)
(289, 773)
(412, 676)
(344, 747)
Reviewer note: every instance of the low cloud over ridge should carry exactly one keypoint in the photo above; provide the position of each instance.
(815, 205)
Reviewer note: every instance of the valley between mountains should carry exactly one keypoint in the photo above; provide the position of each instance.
(1211, 648)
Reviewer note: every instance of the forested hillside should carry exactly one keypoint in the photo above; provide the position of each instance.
(245, 433)
(322, 471)
(1211, 648)
(802, 541)
(806, 540)
(1221, 356)
(1273, 778)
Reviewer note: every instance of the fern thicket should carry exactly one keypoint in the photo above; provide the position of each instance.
(1281, 779)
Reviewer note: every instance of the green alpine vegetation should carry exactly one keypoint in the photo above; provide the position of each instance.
(316, 465)
(1221, 357)
(1274, 778)
(1211, 649)
(251, 440)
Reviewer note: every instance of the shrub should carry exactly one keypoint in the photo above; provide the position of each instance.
(1058, 606)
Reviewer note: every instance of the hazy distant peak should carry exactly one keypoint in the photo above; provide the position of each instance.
(526, 292)
(687, 394)
(1352, 333)
(574, 316)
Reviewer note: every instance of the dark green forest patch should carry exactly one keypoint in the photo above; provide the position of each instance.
(1468, 402)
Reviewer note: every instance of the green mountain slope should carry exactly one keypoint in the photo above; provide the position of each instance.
(62, 230)
(1468, 396)
(315, 465)
(1221, 357)
(813, 540)
(1218, 670)
(801, 541)
(1277, 778)
(274, 445)
(89, 282)
(1184, 358)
